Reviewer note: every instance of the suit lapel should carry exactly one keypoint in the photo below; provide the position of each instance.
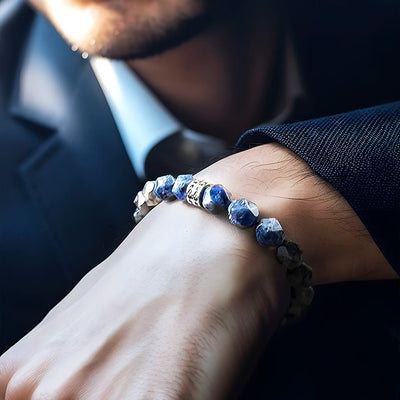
(15, 21)
(46, 79)
(80, 177)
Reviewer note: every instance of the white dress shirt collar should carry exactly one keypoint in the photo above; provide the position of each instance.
(140, 117)
(143, 121)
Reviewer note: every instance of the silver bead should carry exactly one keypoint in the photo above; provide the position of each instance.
(148, 192)
(137, 216)
(140, 203)
(194, 192)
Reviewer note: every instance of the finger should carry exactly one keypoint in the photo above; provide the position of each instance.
(25, 379)
(7, 369)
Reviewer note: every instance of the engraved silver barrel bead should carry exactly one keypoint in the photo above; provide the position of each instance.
(195, 191)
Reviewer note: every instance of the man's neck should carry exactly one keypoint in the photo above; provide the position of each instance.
(222, 81)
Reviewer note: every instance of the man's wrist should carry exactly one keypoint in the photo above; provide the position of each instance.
(312, 213)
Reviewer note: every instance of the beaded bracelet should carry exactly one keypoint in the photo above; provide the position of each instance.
(242, 213)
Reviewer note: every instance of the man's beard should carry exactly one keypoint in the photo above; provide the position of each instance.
(148, 38)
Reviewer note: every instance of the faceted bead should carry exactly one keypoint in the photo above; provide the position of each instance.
(180, 186)
(269, 232)
(289, 255)
(216, 199)
(243, 213)
(137, 216)
(163, 187)
(140, 203)
(301, 276)
(294, 310)
(305, 295)
(148, 192)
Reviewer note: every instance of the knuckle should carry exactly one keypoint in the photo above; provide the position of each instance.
(13, 390)
(6, 364)
(17, 386)
(4, 372)
(43, 393)
(50, 389)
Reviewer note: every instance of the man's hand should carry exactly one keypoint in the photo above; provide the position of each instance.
(177, 312)
(186, 303)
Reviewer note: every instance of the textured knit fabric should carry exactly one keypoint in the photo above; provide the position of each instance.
(358, 153)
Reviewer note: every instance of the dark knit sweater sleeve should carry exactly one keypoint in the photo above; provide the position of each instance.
(358, 153)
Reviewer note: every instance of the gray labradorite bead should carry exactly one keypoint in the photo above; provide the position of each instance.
(294, 310)
(180, 186)
(305, 296)
(216, 199)
(243, 213)
(269, 232)
(301, 276)
(163, 187)
(289, 255)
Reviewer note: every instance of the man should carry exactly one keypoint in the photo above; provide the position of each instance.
(137, 326)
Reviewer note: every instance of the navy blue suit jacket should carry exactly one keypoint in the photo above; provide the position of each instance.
(67, 187)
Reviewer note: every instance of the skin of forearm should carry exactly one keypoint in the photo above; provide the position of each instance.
(188, 301)
(334, 240)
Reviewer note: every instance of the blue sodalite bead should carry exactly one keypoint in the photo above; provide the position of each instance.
(269, 232)
(216, 199)
(243, 213)
(163, 187)
(180, 186)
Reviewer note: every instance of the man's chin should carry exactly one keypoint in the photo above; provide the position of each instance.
(116, 29)
(139, 43)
